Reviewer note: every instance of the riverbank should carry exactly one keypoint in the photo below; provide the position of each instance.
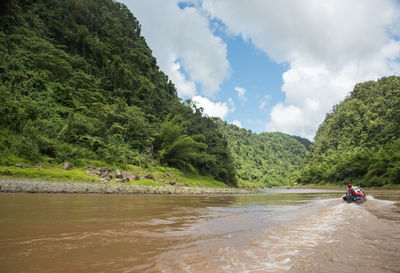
(319, 186)
(101, 173)
(24, 186)
(340, 187)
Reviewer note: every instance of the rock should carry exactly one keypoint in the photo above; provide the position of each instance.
(18, 165)
(106, 174)
(67, 166)
(149, 176)
(118, 173)
(130, 176)
(123, 180)
(170, 175)
(23, 186)
(172, 183)
(126, 175)
(91, 172)
(103, 180)
(199, 185)
(106, 170)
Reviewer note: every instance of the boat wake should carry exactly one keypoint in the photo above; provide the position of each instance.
(333, 233)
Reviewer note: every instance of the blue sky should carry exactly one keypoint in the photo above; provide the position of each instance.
(271, 65)
(259, 76)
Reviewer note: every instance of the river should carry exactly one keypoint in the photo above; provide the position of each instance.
(277, 231)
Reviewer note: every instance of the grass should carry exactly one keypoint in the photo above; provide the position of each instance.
(46, 174)
(251, 185)
(52, 172)
(320, 186)
(340, 187)
(391, 187)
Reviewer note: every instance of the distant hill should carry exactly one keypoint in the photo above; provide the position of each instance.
(266, 159)
(359, 141)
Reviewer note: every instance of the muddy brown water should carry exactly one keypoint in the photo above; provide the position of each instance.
(277, 231)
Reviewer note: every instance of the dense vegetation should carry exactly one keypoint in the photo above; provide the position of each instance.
(77, 81)
(359, 141)
(265, 159)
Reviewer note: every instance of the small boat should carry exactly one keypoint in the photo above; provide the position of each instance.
(360, 198)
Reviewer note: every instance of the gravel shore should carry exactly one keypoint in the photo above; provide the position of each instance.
(8, 185)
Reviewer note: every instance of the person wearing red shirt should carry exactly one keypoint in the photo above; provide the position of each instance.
(351, 191)
(351, 194)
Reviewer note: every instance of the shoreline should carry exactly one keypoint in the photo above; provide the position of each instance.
(20, 186)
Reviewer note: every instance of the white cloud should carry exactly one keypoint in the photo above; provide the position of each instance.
(264, 102)
(181, 40)
(288, 115)
(237, 123)
(231, 104)
(185, 87)
(213, 109)
(241, 93)
(285, 118)
(329, 46)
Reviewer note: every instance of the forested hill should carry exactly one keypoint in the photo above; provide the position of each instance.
(359, 141)
(266, 159)
(77, 81)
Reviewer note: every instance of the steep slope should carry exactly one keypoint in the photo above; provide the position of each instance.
(266, 159)
(360, 139)
(78, 81)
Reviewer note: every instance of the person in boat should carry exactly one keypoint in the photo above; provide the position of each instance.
(351, 193)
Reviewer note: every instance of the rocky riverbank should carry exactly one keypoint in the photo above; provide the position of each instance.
(20, 186)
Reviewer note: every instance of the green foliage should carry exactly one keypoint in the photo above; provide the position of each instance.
(368, 118)
(175, 147)
(360, 139)
(78, 82)
(50, 174)
(266, 159)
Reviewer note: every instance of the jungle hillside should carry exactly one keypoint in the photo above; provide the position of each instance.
(78, 83)
(359, 141)
(265, 159)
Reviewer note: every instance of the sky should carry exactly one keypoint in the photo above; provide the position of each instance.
(268, 65)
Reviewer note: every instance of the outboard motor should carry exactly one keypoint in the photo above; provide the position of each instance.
(348, 197)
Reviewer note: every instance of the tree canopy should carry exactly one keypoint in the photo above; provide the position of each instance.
(77, 80)
(266, 159)
(359, 139)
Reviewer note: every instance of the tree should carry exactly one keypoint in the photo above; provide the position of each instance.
(175, 147)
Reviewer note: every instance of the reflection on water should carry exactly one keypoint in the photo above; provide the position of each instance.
(277, 231)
